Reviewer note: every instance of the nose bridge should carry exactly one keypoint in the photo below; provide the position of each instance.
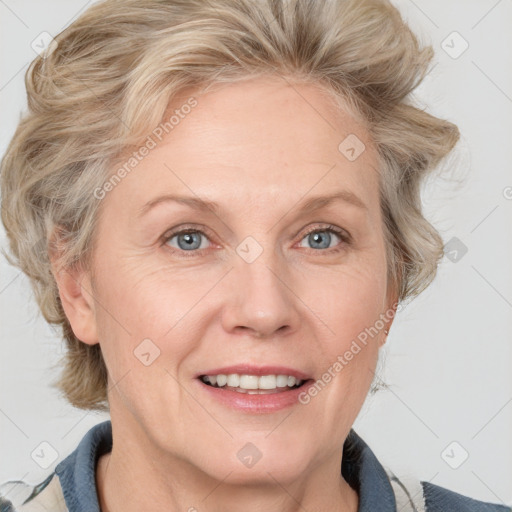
(261, 300)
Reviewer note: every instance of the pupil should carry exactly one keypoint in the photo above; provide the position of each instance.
(189, 240)
(317, 238)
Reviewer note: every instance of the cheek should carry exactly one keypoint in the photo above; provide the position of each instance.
(137, 296)
(349, 303)
(349, 299)
(143, 309)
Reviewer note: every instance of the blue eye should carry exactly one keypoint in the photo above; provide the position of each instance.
(190, 241)
(187, 240)
(322, 238)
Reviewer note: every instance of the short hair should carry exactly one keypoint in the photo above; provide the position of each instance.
(109, 80)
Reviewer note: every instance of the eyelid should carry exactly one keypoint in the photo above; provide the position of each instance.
(184, 228)
(343, 234)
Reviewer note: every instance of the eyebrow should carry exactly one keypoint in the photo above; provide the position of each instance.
(312, 204)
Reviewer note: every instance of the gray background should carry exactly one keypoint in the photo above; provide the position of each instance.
(447, 360)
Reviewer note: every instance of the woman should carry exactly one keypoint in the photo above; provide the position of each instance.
(229, 195)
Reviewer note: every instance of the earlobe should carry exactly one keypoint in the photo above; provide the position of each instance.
(389, 316)
(76, 295)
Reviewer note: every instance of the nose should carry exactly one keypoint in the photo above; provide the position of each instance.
(261, 300)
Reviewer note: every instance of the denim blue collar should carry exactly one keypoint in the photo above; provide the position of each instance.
(359, 467)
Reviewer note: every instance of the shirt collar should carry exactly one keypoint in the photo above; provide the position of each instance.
(77, 472)
(363, 472)
(359, 467)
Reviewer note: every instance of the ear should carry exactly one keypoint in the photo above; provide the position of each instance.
(76, 295)
(77, 301)
(389, 313)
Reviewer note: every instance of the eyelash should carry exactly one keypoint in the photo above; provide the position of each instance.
(345, 237)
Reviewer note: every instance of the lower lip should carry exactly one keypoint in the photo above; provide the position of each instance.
(256, 403)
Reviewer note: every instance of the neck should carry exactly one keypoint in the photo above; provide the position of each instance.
(135, 476)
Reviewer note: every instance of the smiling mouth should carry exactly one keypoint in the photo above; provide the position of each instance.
(205, 379)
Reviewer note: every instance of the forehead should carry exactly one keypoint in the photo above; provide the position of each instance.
(260, 140)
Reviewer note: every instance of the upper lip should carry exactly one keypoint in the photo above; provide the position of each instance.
(248, 369)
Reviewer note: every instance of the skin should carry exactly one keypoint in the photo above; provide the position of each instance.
(259, 148)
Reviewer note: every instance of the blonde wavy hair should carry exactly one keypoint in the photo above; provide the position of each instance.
(111, 76)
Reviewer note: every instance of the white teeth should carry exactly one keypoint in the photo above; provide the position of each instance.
(282, 381)
(252, 382)
(233, 380)
(221, 380)
(249, 381)
(267, 382)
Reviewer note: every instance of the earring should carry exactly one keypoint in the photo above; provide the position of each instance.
(386, 332)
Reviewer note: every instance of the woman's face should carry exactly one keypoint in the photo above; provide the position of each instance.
(258, 281)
